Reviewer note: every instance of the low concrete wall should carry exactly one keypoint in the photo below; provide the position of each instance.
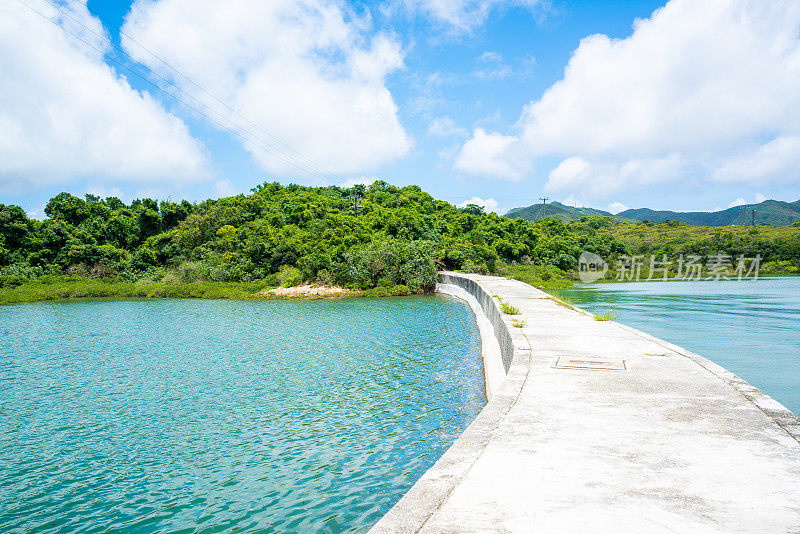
(494, 371)
(491, 311)
(433, 488)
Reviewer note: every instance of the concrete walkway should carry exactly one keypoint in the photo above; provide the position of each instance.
(670, 443)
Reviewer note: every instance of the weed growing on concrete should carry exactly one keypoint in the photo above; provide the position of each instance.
(509, 309)
(608, 316)
(518, 323)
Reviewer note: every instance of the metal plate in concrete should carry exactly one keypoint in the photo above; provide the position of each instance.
(576, 362)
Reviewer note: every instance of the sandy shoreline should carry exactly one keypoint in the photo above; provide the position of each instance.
(308, 291)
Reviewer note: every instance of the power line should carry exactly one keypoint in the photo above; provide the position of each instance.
(283, 156)
(198, 86)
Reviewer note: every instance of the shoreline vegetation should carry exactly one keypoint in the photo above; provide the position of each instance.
(376, 240)
(79, 288)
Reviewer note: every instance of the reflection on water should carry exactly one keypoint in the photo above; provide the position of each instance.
(138, 416)
(752, 328)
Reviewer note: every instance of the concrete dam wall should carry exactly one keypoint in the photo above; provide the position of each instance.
(597, 427)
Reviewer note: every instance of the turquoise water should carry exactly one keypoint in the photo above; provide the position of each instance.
(752, 328)
(218, 416)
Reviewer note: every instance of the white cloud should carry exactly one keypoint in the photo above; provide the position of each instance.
(225, 188)
(760, 198)
(445, 127)
(775, 161)
(303, 70)
(573, 201)
(486, 154)
(616, 207)
(488, 204)
(66, 115)
(461, 15)
(599, 178)
(360, 180)
(696, 85)
(738, 202)
(491, 66)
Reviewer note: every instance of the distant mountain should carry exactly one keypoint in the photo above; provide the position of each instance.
(556, 210)
(773, 212)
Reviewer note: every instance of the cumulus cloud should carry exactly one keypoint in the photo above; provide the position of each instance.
(445, 127)
(461, 15)
(772, 162)
(738, 202)
(488, 204)
(692, 89)
(359, 180)
(66, 115)
(305, 71)
(599, 178)
(616, 207)
(487, 154)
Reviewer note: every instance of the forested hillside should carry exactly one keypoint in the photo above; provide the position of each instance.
(556, 210)
(282, 235)
(770, 212)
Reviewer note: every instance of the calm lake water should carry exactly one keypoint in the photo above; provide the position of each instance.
(752, 328)
(217, 416)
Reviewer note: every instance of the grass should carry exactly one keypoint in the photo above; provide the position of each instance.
(72, 288)
(58, 288)
(509, 309)
(542, 276)
(518, 323)
(608, 316)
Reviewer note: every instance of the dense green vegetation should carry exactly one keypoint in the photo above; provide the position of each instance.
(277, 235)
(778, 246)
(237, 247)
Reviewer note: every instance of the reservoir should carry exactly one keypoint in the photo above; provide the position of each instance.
(750, 327)
(217, 416)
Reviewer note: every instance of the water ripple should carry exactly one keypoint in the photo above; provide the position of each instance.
(202, 416)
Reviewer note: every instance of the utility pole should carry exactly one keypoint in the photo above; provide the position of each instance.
(355, 194)
(544, 206)
(745, 214)
(754, 216)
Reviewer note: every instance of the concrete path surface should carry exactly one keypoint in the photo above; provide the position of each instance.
(669, 443)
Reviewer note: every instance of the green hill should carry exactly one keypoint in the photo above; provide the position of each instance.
(556, 210)
(769, 212)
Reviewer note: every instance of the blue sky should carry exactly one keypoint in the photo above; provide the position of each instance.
(693, 107)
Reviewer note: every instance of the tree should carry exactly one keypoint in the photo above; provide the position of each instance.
(67, 208)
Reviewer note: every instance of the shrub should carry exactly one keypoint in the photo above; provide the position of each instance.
(102, 269)
(324, 278)
(289, 276)
(393, 262)
(189, 271)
